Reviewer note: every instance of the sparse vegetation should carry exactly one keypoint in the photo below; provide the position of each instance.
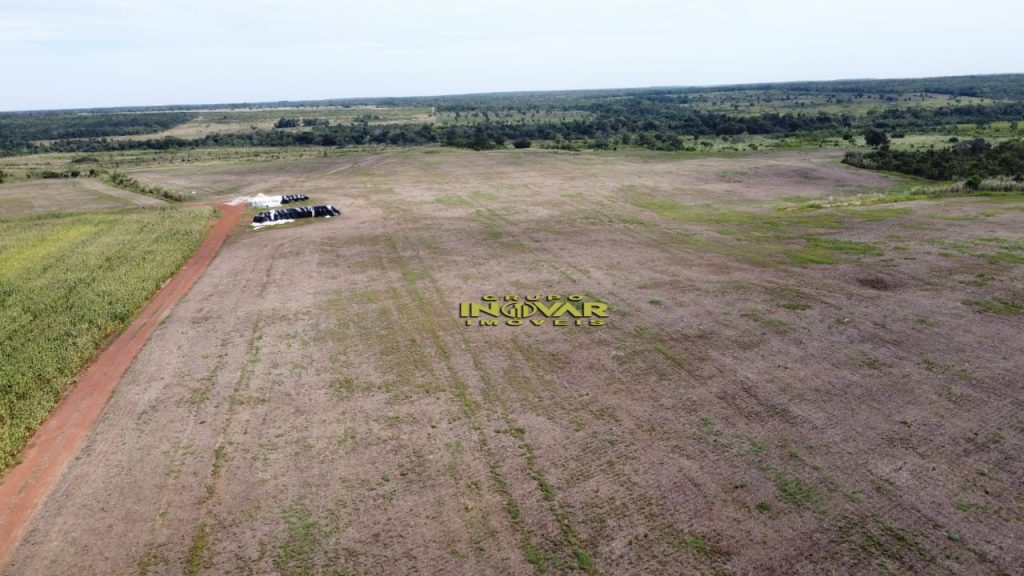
(997, 306)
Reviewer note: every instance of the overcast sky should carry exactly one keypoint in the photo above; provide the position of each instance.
(90, 53)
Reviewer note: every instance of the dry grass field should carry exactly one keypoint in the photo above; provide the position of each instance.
(66, 195)
(776, 391)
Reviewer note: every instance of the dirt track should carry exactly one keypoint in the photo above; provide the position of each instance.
(57, 441)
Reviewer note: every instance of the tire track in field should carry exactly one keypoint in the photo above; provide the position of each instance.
(397, 333)
(582, 559)
(194, 558)
(474, 410)
(150, 556)
(739, 374)
(658, 340)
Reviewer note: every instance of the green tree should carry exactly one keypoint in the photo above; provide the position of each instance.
(875, 138)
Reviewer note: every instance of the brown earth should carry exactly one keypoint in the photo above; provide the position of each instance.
(757, 403)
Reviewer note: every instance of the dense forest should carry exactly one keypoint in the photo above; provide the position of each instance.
(18, 128)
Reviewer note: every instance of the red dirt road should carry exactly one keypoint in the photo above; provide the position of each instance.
(57, 441)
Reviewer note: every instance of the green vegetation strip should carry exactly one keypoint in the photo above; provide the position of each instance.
(67, 284)
(992, 187)
(132, 185)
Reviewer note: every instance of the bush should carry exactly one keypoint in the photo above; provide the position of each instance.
(522, 143)
(875, 138)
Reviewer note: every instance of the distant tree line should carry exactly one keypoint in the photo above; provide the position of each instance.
(659, 119)
(972, 159)
(997, 86)
(19, 128)
(638, 121)
(295, 123)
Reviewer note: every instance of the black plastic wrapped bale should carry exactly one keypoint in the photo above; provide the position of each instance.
(295, 213)
(289, 198)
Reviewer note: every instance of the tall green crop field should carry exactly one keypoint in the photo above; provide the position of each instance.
(68, 283)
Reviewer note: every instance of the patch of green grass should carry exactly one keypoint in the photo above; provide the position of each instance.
(669, 208)
(844, 246)
(493, 231)
(452, 200)
(1005, 258)
(883, 540)
(347, 435)
(297, 552)
(220, 456)
(68, 283)
(805, 256)
(967, 506)
(481, 197)
(756, 446)
(343, 388)
(876, 213)
(1005, 243)
(200, 541)
(997, 306)
(671, 355)
(768, 322)
(696, 544)
(795, 305)
(978, 280)
(708, 426)
(796, 491)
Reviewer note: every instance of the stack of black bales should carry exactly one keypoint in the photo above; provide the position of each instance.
(288, 199)
(296, 213)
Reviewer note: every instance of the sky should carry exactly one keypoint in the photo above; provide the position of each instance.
(99, 53)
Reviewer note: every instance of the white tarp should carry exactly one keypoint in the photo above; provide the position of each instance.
(258, 225)
(263, 201)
